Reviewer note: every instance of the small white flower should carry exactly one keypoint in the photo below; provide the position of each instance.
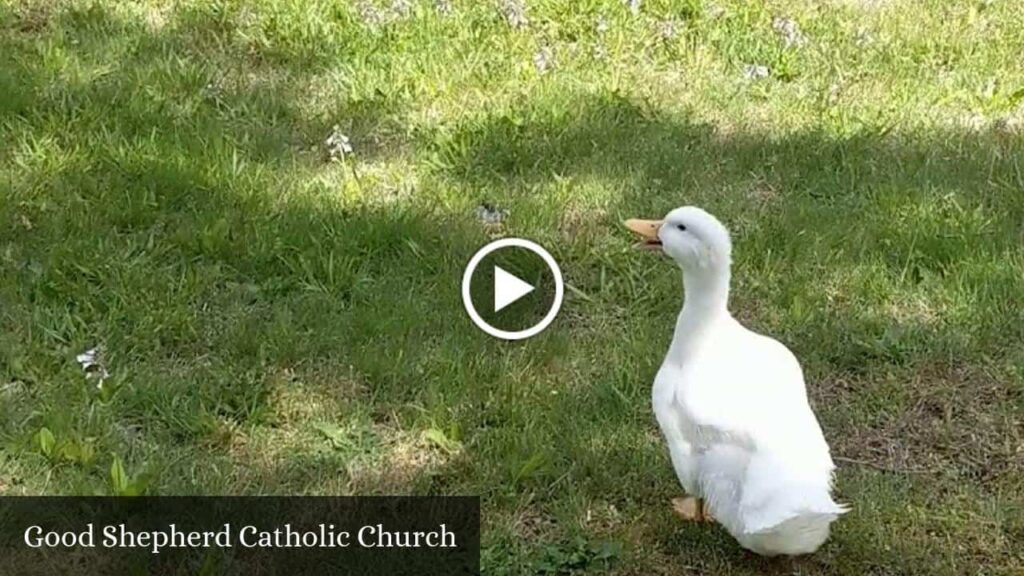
(715, 11)
(634, 6)
(669, 29)
(337, 144)
(789, 31)
(88, 358)
(490, 214)
(91, 362)
(863, 37)
(602, 25)
(370, 14)
(401, 8)
(514, 13)
(443, 7)
(755, 71)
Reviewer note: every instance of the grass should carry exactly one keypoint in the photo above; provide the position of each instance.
(277, 322)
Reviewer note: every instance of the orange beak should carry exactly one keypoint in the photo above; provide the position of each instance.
(648, 232)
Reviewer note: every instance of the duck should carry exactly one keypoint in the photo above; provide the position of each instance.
(732, 406)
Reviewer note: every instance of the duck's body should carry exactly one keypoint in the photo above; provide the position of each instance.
(733, 408)
(742, 436)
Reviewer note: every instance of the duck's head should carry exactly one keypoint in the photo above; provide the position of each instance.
(693, 238)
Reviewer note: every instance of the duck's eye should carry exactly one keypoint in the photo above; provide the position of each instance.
(681, 227)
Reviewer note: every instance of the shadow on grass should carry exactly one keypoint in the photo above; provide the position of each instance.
(164, 203)
(195, 74)
(925, 225)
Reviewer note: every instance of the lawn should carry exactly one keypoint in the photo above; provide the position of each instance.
(259, 212)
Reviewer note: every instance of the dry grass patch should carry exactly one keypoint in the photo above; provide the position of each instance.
(405, 458)
(939, 419)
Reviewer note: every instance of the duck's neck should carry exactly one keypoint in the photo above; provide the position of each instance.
(705, 293)
(705, 305)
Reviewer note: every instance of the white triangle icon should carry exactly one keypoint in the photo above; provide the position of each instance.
(508, 288)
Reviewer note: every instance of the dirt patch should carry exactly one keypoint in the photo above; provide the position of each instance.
(603, 518)
(533, 525)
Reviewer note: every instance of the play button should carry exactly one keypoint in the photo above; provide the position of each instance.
(512, 289)
(508, 288)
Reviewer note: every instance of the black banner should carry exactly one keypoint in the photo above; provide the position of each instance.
(214, 536)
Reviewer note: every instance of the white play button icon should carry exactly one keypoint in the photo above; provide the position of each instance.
(508, 288)
(536, 302)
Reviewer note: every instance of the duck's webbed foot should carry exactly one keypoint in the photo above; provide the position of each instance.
(691, 509)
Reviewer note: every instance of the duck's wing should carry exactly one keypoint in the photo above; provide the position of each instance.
(751, 391)
(752, 409)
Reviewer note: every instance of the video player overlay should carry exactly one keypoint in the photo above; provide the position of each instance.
(240, 535)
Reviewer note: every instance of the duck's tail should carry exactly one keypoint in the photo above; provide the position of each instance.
(800, 534)
(811, 504)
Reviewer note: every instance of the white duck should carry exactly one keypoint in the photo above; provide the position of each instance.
(733, 407)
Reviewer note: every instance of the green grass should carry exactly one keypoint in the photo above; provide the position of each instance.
(275, 322)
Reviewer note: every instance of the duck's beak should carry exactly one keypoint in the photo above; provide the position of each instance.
(648, 231)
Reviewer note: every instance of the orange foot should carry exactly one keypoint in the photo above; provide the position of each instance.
(691, 509)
